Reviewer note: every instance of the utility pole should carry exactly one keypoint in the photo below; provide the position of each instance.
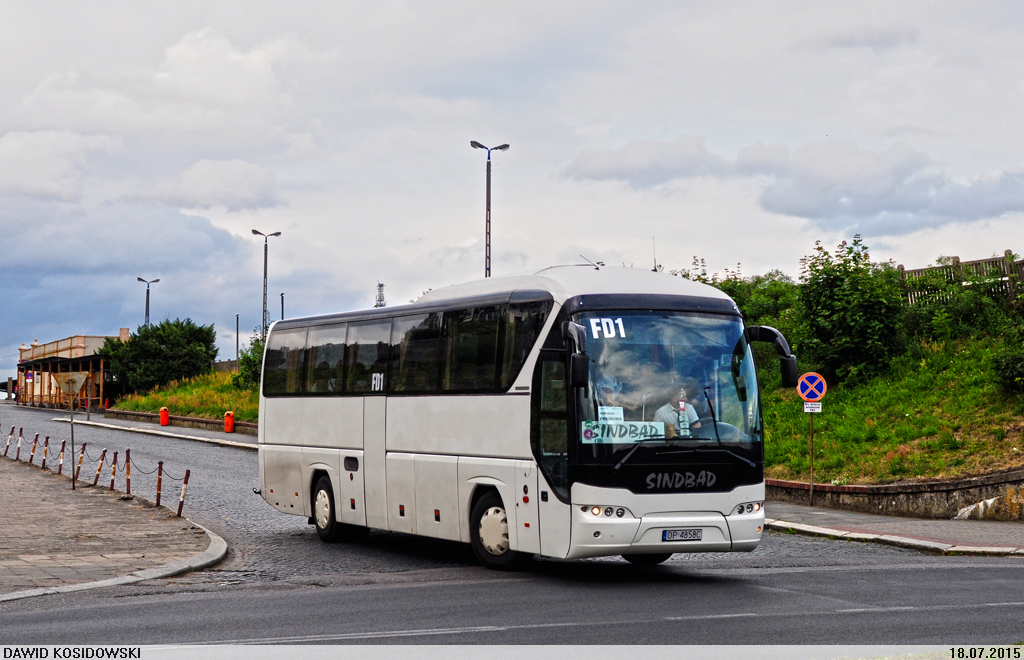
(236, 341)
(266, 315)
(147, 283)
(487, 216)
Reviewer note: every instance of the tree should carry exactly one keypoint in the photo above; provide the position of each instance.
(852, 310)
(250, 362)
(159, 354)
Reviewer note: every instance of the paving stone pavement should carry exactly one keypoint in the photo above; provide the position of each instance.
(957, 533)
(52, 536)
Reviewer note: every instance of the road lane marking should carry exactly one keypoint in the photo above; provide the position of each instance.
(426, 632)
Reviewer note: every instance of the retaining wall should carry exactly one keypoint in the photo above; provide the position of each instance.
(938, 499)
(246, 428)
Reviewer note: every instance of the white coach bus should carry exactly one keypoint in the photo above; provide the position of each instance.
(573, 412)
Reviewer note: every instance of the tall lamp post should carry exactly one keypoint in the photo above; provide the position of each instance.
(487, 221)
(266, 238)
(147, 283)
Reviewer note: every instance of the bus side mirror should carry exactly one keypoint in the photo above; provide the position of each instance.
(789, 371)
(579, 370)
(575, 333)
(787, 361)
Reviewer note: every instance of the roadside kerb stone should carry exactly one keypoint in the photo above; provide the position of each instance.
(888, 539)
(135, 429)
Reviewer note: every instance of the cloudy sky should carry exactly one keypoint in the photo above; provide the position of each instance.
(148, 139)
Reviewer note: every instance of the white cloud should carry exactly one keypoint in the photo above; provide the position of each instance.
(833, 182)
(234, 184)
(47, 163)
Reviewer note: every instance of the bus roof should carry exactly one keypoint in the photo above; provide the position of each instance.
(567, 281)
(562, 282)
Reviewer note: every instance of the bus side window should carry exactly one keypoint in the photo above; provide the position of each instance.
(326, 359)
(525, 321)
(549, 426)
(471, 336)
(367, 350)
(416, 353)
(284, 366)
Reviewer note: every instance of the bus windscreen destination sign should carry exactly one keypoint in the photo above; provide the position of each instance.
(607, 433)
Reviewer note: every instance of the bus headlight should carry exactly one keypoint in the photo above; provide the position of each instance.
(748, 507)
(596, 511)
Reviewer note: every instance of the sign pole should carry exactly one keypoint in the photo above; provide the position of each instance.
(71, 409)
(812, 459)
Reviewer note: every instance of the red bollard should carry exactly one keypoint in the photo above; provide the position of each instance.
(128, 471)
(159, 479)
(60, 465)
(46, 448)
(229, 422)
(32, 454)
(99, 467)
(106, 404)
(184, 485)
(9, 438)
(113, 471)
(17, 453)
(165, 416)
(81, 455)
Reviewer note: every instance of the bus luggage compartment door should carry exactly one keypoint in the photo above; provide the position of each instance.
(352, 501)
(527, 499)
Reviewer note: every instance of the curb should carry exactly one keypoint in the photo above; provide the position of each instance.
(135, 429)
(920, 545)
(213, 554)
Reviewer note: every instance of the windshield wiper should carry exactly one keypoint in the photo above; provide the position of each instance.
(631, 452)
(697, 450)
(714, 420)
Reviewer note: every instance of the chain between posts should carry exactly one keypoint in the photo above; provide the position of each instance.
(124, 466)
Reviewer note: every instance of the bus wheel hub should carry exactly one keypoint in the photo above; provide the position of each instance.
(323, 509)
(494, 531)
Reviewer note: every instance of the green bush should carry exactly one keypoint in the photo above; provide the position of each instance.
(158, 354)
(1008, 361)
(851, 310)
(250, 363)
(956, 304)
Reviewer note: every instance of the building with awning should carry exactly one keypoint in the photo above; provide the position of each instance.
(37, 364)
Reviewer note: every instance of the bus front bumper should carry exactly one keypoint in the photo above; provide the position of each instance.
(602, 535)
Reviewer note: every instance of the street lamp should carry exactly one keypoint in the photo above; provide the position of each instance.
(487, 229)
(266, 238)
(147, 283)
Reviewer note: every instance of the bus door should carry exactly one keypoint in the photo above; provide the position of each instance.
(549, 430)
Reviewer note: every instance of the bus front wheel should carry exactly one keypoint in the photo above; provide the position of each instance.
(488, 526)
(647, 560)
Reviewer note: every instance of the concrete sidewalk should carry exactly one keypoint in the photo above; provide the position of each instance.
(983, 537)
(53, 537)
(237, 440)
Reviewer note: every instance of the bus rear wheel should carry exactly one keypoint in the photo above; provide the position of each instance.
(488, 530)
(647, 560)
(327, 526)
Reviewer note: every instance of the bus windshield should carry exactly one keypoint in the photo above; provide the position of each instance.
(668, 381)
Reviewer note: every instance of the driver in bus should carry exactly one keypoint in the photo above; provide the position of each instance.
(678, 415)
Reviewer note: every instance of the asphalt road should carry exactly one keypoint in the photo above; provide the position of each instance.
(282, 585)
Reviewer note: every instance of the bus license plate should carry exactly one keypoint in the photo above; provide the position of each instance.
(680, 535)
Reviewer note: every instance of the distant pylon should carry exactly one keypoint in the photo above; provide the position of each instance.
(380, 296)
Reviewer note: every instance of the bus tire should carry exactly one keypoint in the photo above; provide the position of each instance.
(327, 526)
(647, 560)
(488, 531)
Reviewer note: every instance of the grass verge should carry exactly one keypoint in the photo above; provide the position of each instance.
(937, 414)
(208, 396)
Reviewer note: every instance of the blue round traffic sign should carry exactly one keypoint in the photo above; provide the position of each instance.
(811, 387)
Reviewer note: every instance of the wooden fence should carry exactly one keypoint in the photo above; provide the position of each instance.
(1000, 275)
